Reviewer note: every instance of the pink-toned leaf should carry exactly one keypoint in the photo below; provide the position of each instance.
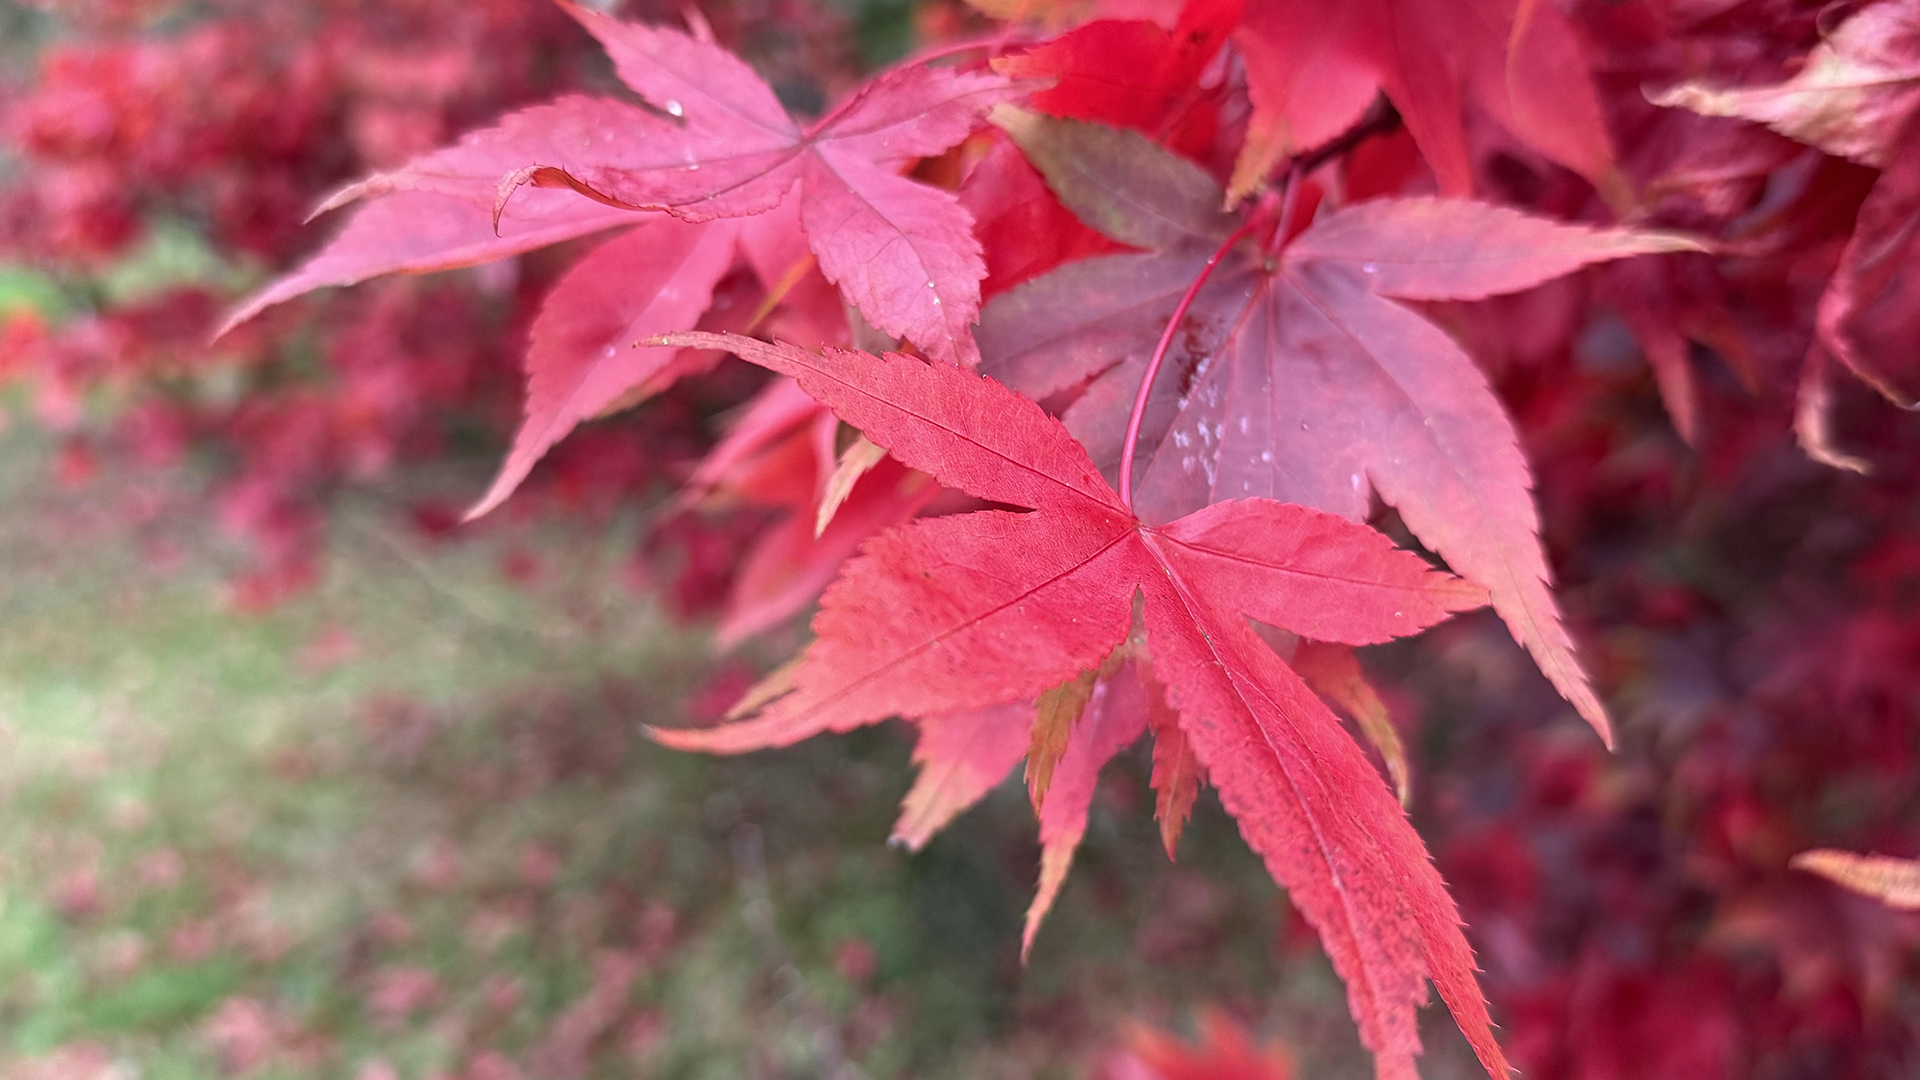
(1087, 317)
(790, 565)
(1378, 398)
(962, 756)
(772, 415)
(1893, 882)
(801, 304)
(1310, 386)
(902, 252)
(691, 79)
(1851, 96)
(437, 212)
(1549, 100)
(1869, 316)
(585, 352)
(1460, 249)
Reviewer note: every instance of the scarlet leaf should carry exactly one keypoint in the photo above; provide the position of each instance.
(791, 562)
(936, 616)
(1305, 88)
(779, 453)
(1224, 1052)
(1312, 70)
(1130, 73)
(736, 465)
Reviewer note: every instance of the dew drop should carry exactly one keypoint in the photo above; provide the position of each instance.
(1369, 268)
(1266, 456)
(936, 301)
(607, 353)
(674, 109)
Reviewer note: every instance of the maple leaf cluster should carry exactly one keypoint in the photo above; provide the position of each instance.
(1104, 338)
(142, 122)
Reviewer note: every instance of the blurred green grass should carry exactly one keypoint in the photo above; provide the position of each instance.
(408, 826)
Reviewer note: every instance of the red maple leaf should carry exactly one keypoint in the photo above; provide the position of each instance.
(1023, 229)
(1311, 70)
(1134, 73)
(1306, 382)
(1868, 316)
(716, 146)
(780, 454)
(902, 252)
(994, 607)
(962, 756)
(1223, 1052)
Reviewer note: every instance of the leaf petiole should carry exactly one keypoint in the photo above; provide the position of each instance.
(1160, 354)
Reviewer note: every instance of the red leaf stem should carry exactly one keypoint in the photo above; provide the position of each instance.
(1160, 353)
